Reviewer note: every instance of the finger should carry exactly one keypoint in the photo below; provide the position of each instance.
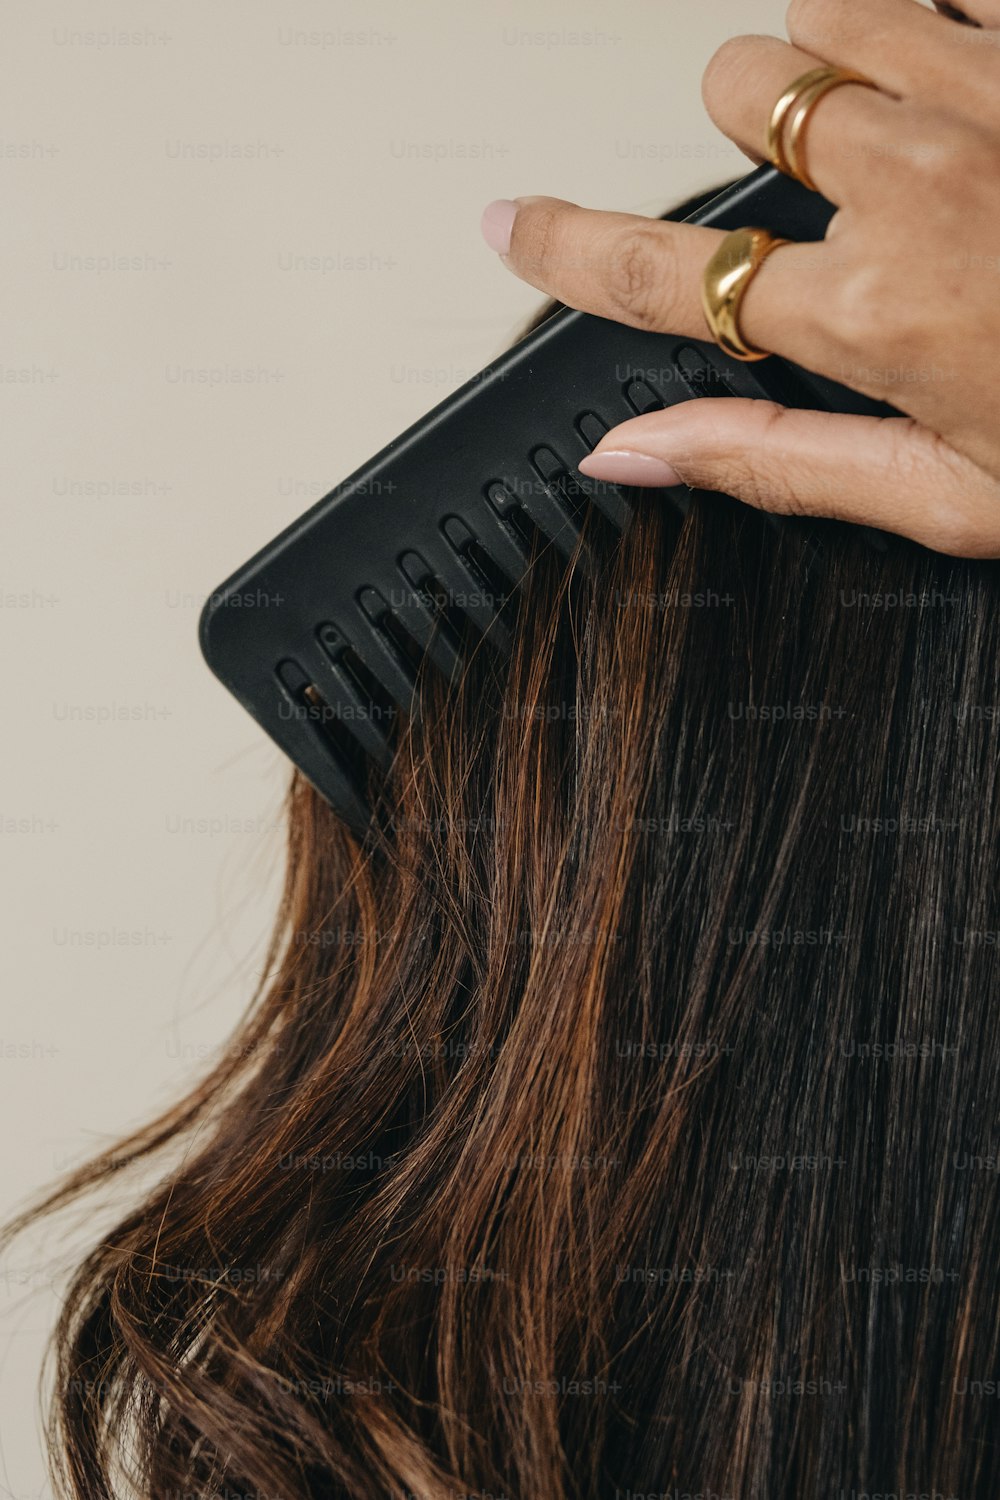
(647, 273)
(643, 272)
(856, 134)
(905, 48)
(889, 473)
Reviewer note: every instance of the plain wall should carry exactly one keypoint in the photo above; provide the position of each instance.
(290, 188)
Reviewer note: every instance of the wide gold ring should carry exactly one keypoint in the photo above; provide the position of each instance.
(798, 102)
(723, 286)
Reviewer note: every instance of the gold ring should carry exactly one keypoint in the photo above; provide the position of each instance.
(802, 97)
(726, 278)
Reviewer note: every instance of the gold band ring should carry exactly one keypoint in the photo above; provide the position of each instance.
(726, 278)
(799, 100)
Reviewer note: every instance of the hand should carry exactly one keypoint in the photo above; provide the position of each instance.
(901, 301)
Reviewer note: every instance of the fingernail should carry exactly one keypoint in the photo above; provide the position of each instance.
(623, 466)
(497, 223)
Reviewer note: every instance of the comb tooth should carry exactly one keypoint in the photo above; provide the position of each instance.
(418, 620)
(305, 740)
(476, 598)
(377, 653)
(467, 594)
(544, 504)
(353, 709)
(700, 377)
(512, 555)
(513, 518)
(641, 397)
(607, 497)
(368, 731)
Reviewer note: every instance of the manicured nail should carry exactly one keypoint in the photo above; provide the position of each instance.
(497, 223)
(623, 466)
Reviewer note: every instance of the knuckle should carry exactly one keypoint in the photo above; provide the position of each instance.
(536, 237)
(827, 27)
(865, 309)
(917, 143)
(943, 494)
(759, 488)
(943, 156)
(744, 458)
(935, 155)
(810, 23)
(768, 482)
(642, 278)
(890, 341)
(855, 300)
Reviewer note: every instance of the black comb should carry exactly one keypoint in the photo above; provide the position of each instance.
(319, 635)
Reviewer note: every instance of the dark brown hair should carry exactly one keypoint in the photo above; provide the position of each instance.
(623, 1118)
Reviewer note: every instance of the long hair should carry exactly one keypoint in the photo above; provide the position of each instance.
(622, 1117)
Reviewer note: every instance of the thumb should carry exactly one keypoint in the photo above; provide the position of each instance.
(887, 472)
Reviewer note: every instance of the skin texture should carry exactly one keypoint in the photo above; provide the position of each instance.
(901, 300)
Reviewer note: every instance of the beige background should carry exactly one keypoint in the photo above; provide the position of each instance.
(290, 188)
